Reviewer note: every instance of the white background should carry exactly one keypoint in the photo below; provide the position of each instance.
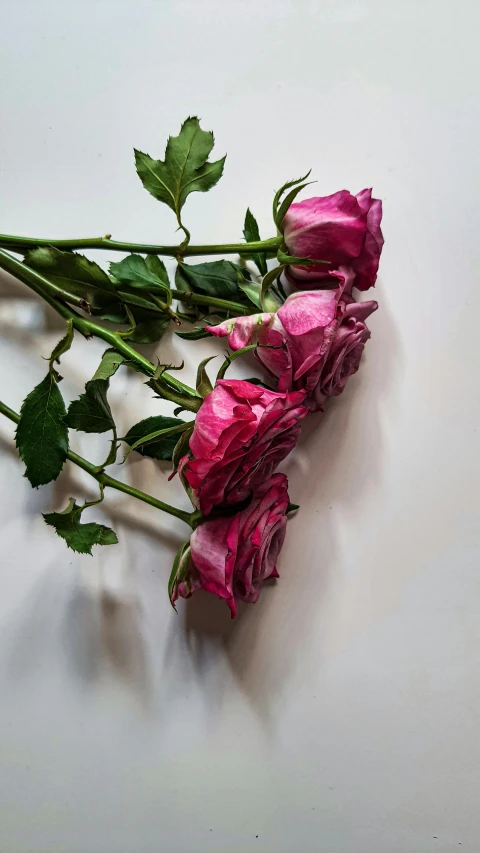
(341, 713)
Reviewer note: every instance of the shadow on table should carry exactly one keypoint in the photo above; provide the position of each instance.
(337, 463)
(99, 628)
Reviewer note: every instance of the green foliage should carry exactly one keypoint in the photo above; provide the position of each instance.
(252, 234)
(252, 291)
(181, 565)
(63, 345)
(194, 335)
(76, 275)
(181, 447)
(284, 258)
(91, 412)
(267, 282)
(216, 278)
(42, 434)
(84, 279)
(232, 356)
(157, 434)
(287, 201)
(150, 327)
(138, 299)
(203, 384)
(111, 361)
(280, 207)
(144, 273)
(185, 169)
(79, 537)
(112, 453)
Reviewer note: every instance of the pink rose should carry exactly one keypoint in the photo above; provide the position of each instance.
(232, 555)
(323, 332)
(341, 228)
(242, 431)
(346, 350)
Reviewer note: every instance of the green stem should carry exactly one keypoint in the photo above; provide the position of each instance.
(196, 299)
(87, 327)
(189, 518)
(166, 308)
(20, 244)
(191, 405)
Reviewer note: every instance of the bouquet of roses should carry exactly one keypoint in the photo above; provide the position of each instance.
(300, 316)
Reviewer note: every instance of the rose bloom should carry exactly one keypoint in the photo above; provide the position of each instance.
(341, 228)
(323, 333)
(242, 431)
(232, 555)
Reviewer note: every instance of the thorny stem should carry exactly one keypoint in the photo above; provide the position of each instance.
(190, 298)
(87, 327)
(20, 244)
(190, 518)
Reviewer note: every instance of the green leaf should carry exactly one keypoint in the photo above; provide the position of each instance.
(203, 384)
(149, 274)
(252, 291)
(150, 327)
(133, 297)
(239, 352)
(80, 277)
(111, 361)
(91, 412)
(158, 434)
(114, 311)
(286, 259)
(252, 234)
(75, 274)
(185, 169)
(292, 507)
(181, 281)
(287, 201)
(79, 537)
(181, 565)
(217, 278)
(278, 195)
(160, 448)
(42, 434)
(267, 282)
(231, 357)
(250, 229)
(157, 268)
(181, 447)
(194, 335)
(63, 345)
(112, 453)
(270, 302)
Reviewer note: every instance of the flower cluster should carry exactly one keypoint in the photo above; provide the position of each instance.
(312, 344)
(302, 317)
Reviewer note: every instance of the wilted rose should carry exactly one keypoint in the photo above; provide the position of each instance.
(231, 556)
(323, 333)
(242, 432)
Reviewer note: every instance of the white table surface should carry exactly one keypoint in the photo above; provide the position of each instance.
(341, 713)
